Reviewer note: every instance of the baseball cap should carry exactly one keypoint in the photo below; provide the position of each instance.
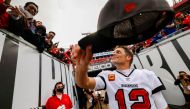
(178, 14)
(125, 22)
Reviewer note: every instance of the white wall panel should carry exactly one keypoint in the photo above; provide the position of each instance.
(2, 40)
(185, 44)
(64, 79)
(26, 88)
(48, 82)
(173, 59)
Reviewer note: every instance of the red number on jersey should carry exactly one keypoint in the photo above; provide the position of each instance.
(133, 96)
(119, 96)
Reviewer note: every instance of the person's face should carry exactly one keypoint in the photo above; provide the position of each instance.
(184, 76)
(50, 35)
(162, 33)
(181, 16)
(59, 87)
(38, 23)
(119, 56)
(32, 9)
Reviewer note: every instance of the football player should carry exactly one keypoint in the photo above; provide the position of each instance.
(127, 88)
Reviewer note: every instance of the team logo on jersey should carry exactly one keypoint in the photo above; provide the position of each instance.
(111, 77)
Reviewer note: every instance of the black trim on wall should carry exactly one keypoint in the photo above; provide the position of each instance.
(149, 60)
(61, 72)
(181, 53)
(139, 60)
(53, 69)
(66, 79)
(40, 79)
(74, 92)
(8, 68)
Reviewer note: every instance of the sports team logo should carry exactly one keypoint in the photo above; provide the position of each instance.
(130, 7)
(111, 77)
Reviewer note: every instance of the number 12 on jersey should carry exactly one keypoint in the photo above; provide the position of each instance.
(133, 96)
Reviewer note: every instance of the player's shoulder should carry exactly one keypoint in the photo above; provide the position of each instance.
(105, 72)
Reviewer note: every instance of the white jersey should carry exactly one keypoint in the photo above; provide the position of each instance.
(129, 89)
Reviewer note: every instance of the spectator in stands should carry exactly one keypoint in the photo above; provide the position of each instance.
(48, 40)
(60, 55)
(40, 29)
(179, 17)
(138, 47)
(36, 36)
(22, 18)
(186, 22)
(184, 79)
(59, 100)
(67, 57)
(4, 16)
(21, 23)
(35, 25)
(133, 48)
(148, 43)
(157, 38)
(54, 50)
(170, 28)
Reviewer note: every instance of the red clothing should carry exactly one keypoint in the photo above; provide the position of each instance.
(54, 51)
(67, 56)
(186, 21)
(4, 17)
(54, 102)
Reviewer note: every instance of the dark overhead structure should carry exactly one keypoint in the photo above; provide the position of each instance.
(125, 22)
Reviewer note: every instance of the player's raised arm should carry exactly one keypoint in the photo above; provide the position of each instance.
(83, 58)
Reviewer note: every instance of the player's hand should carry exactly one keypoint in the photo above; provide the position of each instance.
(75, 51)
(15, 11)
(83, 58)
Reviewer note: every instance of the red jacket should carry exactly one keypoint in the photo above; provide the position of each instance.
(4, 16)
(54, 102)
(186, 21)
(54, 51)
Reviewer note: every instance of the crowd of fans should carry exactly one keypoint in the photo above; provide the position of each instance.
(180, 23)
(20, 21)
